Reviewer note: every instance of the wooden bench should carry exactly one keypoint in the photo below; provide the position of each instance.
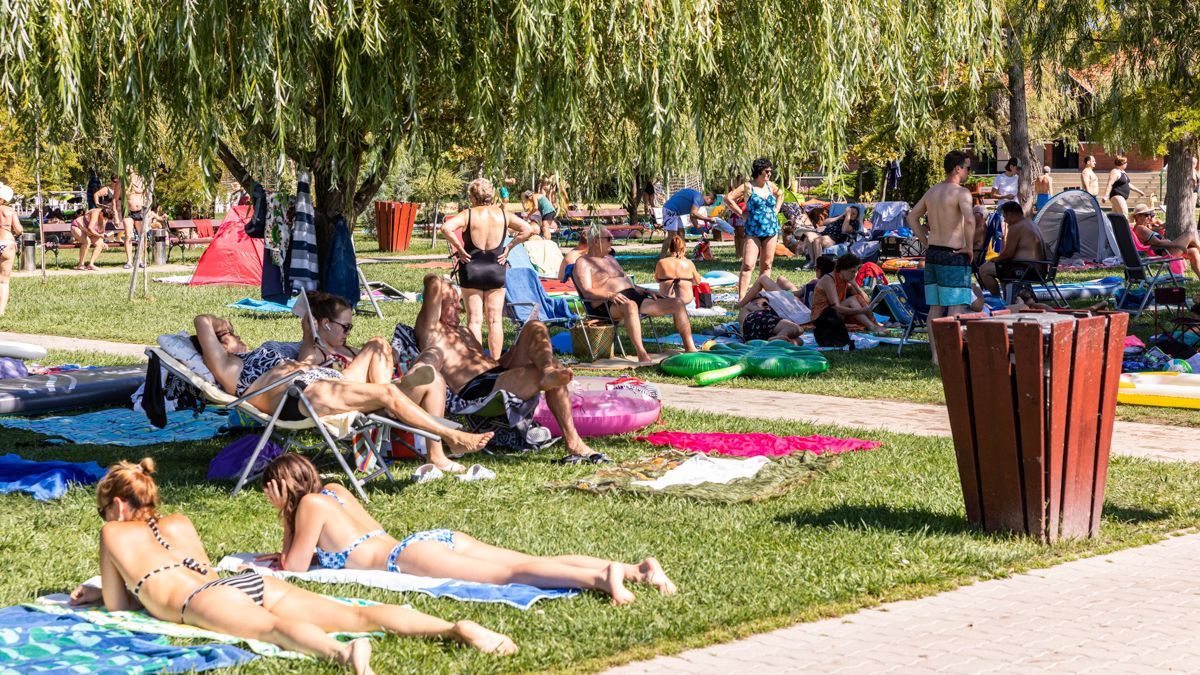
(201, 230)
(57, 230)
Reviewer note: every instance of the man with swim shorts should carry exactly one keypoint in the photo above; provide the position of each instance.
(611, 297)
(947, 235)
(135, 201)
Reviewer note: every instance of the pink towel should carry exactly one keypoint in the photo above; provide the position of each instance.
(754, 445)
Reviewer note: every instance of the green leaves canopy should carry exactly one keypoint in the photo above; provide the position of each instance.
(586, 86)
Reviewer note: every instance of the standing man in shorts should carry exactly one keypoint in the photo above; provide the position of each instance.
(135, 203)
(948, 239)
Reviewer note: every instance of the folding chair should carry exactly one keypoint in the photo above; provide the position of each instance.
(907, 304)
(1142, 275)
(365, 433)
(1174, 300)
(1012, 273)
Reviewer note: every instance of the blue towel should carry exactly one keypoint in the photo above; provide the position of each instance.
(44, 480)
(519, 596)
(121, 426)
(252, 305)
(37, 642)
(522, 285)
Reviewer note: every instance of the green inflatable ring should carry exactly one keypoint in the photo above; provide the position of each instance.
(694, 363)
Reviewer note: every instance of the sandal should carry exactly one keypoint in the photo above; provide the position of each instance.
(594, 458)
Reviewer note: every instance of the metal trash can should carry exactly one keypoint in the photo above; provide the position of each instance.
(29, 242)
(1031, 398)
(159, 237)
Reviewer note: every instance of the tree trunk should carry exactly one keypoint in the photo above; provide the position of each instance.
(1018, 124)
(329, 203)
(1181, 199)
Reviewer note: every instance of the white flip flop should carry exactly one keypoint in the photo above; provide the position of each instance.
(427, 472)
(477, 472)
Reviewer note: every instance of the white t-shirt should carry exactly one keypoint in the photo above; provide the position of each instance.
(1006, 184)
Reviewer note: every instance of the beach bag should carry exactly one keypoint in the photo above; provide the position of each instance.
(704, 297)
(228, 463)
(830, 331)
(599, 335)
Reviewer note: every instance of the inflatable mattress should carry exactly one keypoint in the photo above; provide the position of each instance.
(1097, 288)
(1167, 390)
(75, 389)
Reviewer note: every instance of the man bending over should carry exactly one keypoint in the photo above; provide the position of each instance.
(525, 371)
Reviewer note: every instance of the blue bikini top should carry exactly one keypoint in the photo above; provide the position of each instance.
(336, 560)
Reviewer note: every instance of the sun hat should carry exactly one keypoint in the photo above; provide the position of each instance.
(6, 192)
(1142, 210)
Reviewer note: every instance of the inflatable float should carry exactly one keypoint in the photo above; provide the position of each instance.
(21, 350)
(1165, 390)
(720, 278)
(603, 412)
(72, 389)
(756, 358)
(1097, 288)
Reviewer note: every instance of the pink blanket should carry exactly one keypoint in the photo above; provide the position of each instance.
(754, 445)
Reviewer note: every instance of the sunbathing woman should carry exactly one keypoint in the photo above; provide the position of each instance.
(841, 229)
(676, 275)
(238, 370)
(328, 522)
(759, 321)
(157, 562)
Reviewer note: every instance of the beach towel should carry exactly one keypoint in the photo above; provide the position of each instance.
(121, 426)
(772, 478)
(45, 480)
(755, 445)
(302, 268)
(252, 305)
(700, 469)
(519, 596)
(33, 641)
(788, 306)
(339, 269)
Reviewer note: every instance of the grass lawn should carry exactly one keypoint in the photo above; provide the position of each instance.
(881, 525)
(95, 306)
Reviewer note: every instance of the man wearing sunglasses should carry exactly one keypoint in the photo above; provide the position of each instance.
(947, 235)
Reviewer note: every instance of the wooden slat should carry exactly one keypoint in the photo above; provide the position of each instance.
(1031, 410)
(996, 448)
(949, 343)
(1083, 418)
(1118, 325)
(1061, 349)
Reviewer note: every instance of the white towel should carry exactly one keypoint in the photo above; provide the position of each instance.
(303, 269)
(707, 469)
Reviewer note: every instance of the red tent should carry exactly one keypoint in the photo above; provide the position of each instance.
(232, 257)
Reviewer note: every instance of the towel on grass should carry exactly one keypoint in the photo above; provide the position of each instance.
(700, 338)
(700, 469)
(35, 641)
(756, 445)
(773, 478)
(520, 596)
(121, 426)
(253, 305)
(45, 480)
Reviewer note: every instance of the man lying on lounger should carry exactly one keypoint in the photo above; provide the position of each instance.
(526, 370)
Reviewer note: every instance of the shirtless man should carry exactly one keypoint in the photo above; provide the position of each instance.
(526, 370)
(1091, 182)
(610, 296)
(135, 202)
(1022, 241)
(948, 239)
(1043, 187)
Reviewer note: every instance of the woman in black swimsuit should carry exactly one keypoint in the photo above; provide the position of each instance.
(1119, 186)
(158, 563)
(481, 256)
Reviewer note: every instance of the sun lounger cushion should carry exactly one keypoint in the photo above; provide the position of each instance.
(179, 346)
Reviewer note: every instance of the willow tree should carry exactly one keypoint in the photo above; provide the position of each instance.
(1146, 54)
(586, 86)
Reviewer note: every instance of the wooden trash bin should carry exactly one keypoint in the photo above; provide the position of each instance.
(394, 225)
(1031, 398)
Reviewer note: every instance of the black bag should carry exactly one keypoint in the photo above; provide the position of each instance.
(830, 331)
(704, 297)
(257, 227)
(153, 400)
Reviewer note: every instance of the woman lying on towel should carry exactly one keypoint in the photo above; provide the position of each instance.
(158, 563)
(363, 386)
(760, 321)
(327, 522)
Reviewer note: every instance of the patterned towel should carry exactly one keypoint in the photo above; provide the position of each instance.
(121, 426)
(303, 268)
(36, 641)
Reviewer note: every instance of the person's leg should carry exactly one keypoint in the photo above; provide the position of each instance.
(336, 396)
(429, 392)
(474, 302)
(787, 330)
(545, 231)
(128, 241)
(935, 312)
(766, 255)
(649, 571)
(677, 310)
(666, 245)
(749, 257)
(987, 277)
(494, 310)
(628, 316)
(98, 247)
(865, 318)
(739, 242)
(762, 283)
(1119, 205)
(84, 242)
(784, 284)
(230, 611)
(286, 600)
(6, 265)
(430, 558)
(373, 363)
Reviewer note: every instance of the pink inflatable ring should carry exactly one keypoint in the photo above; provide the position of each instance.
(604, 413)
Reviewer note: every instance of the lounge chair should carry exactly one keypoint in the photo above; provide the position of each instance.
(342, 434)
(907, 304)
(1142, 275)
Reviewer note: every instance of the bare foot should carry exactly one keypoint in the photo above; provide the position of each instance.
(486, 641)
(555, 377)
(614, 583)
(462, 443)
(419, 375)
(357, 655)
(653, 574)
(579, 448)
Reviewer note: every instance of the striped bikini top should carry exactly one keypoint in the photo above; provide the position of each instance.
(188, 562)
(336, 560)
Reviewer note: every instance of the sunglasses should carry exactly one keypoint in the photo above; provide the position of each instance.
(346, 327)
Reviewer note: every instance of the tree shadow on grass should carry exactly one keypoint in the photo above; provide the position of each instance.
(879, 516)
(1134, 515)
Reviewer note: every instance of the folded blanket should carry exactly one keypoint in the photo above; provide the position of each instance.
(520, 596)
(34, 641)
(45, 480)
(755, 445)
(253, 305)
(121, 426)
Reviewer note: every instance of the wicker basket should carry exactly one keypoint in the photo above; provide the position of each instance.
(599, 335)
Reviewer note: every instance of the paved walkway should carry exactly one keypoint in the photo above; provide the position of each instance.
(155, 270)
(77, 344)
(1134, 611)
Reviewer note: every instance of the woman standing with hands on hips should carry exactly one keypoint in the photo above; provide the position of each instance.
(761, 215)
